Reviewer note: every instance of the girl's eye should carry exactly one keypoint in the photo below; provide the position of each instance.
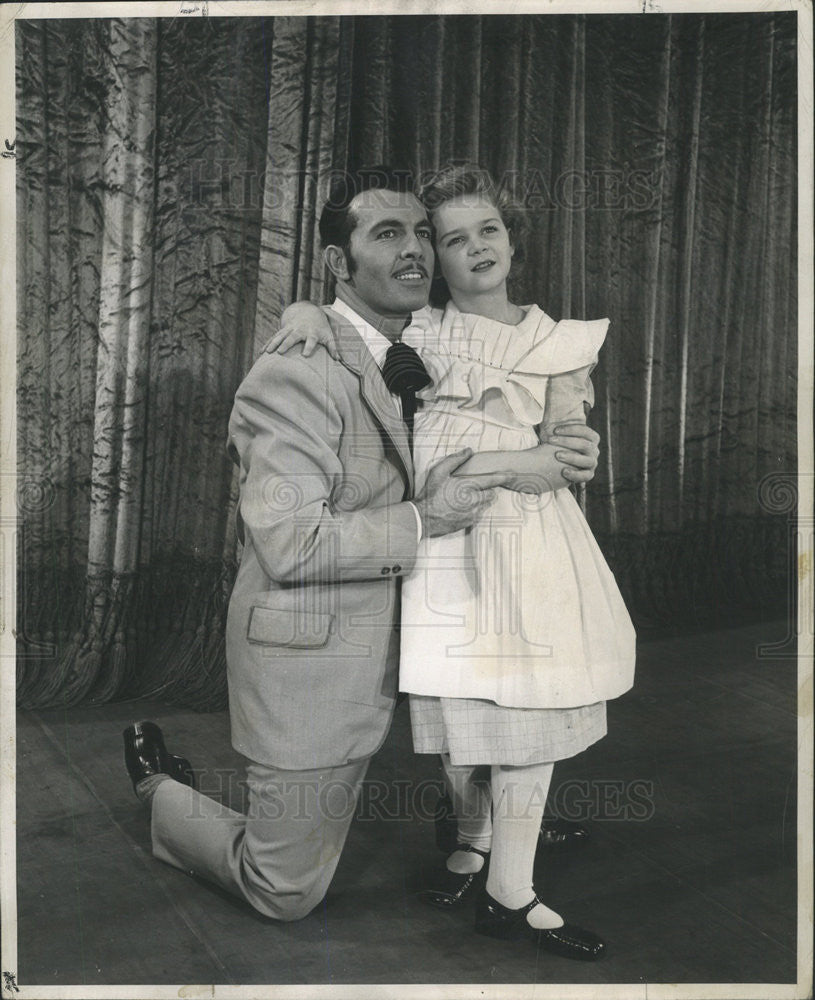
(490, 229)
(453, 240)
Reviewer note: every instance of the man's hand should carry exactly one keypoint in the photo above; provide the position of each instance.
(578, 449)
(449, 503)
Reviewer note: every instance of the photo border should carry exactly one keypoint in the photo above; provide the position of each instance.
(9, 14)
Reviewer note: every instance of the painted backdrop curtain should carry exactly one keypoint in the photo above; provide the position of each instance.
(169, 175)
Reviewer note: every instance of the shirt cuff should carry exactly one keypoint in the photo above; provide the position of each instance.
(419, 529)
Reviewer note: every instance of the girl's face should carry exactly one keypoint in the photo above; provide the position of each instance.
(472, 244)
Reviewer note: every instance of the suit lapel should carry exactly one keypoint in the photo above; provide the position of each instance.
(356, 357)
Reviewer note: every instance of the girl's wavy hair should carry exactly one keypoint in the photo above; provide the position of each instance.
(460, 178)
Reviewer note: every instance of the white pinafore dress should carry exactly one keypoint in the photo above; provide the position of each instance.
(513, 632)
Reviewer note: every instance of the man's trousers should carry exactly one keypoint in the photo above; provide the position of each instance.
(281, 855)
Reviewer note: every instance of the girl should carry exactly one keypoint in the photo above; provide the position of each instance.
(513, 633)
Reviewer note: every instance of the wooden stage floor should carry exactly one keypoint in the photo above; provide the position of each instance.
(690, 874)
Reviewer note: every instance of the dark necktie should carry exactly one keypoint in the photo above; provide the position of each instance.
(405, 374)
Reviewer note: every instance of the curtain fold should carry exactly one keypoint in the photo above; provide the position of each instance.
(169, 179)
(140, 215)
(304, 84)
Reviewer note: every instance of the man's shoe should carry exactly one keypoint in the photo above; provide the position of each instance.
(451, 887)
(568, 941)
(146, 755)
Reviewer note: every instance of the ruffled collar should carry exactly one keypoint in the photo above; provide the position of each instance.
(468, 354)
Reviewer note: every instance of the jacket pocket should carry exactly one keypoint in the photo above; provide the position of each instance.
(287, 627)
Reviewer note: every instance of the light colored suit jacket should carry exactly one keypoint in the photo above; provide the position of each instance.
(325, 468)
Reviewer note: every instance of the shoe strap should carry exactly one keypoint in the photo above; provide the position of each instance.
(530, 906)
(507, 912)
(469, 849)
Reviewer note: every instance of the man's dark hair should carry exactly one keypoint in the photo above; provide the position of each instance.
(337, 221)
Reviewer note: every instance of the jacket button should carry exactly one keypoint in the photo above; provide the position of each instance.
(384, 571)
(397, 568)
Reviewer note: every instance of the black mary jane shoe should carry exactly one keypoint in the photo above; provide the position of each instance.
(146, 755)
(568, 941)
(450, 888)
(561, 833)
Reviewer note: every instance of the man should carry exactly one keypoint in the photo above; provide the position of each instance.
(329, 523)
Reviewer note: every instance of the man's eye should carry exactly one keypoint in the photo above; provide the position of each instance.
(424, 234)
(386, 234)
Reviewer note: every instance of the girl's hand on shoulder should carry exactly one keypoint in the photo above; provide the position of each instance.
(306, 324)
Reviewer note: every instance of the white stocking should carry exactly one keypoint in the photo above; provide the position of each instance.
(471, 804)
(518, 800)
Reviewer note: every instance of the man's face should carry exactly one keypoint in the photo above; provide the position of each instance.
(391, 251)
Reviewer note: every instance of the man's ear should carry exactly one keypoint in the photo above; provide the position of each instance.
(336, 262)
